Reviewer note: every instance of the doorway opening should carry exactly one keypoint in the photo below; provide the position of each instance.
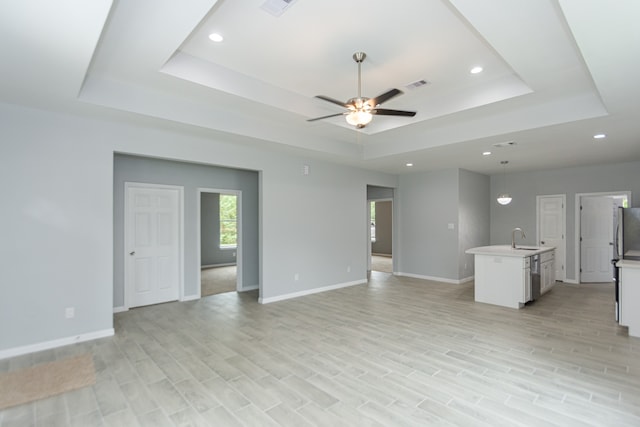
(381, 235)
(219, 246)
(596, 222)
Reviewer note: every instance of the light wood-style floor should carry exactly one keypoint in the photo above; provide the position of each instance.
(394, 352)
(382, 263)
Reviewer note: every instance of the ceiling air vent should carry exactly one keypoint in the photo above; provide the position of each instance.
(276, 7)
(416, 84)
(505, 144)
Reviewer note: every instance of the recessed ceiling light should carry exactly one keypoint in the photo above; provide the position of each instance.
(476, 70)
(409, 165)
(599, 136)
(216, 37)
(486, 153)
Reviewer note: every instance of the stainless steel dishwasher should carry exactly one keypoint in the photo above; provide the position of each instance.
(535, 277)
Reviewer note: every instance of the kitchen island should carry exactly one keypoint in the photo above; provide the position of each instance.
(503, 274)
(629, 295)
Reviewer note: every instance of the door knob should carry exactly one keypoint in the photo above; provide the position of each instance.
(132, 253)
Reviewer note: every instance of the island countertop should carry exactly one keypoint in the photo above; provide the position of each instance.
(507, 250)
(627, 263)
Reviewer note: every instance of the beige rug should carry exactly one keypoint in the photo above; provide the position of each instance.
(48, 379)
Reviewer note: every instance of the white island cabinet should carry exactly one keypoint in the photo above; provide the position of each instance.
(547, 271)
(503, 274)
(629, 296)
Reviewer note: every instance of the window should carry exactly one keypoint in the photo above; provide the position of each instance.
(372, 208)
(228, 221)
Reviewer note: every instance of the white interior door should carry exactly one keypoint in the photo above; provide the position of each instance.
(152, 244)
(596, 239)
(551, 229)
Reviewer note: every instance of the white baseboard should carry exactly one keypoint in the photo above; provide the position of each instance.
(436, 279)
(310, 291)
(120, 309)
(47, 345)
(571, 281)
(190, 298)
(249, 288)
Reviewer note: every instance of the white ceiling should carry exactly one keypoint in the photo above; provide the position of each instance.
(556, 72)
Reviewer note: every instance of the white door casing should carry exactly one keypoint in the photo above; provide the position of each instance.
(153, 244)
(369, 237)
(596, 239)
(551, 228)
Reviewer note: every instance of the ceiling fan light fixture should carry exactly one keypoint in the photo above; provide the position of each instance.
(359, 118)
(360, 110)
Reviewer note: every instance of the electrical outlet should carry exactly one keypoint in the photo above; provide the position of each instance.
(296, 277)
(348, 269)
(70, 312)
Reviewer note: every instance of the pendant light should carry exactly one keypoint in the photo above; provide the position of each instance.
(504, 198)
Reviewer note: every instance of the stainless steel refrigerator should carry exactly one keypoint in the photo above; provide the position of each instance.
(627, 244)
(628, 234)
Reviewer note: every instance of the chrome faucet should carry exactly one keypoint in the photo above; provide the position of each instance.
(513, 236)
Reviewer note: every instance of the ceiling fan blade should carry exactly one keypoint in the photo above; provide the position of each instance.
(326, 117)
(386, 112)
(385, 97)
(333, 101)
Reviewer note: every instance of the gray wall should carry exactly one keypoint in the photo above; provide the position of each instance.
(378, 193)
(524, 187)
(57, 224)
(57, 221)
(384, 228)
(211, 253)
(56, 247)
(323, 227)
(427, 203)
(191, 176)
(473, 216)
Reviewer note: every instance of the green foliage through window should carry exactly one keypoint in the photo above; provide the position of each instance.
(372, 207)
(228, 221)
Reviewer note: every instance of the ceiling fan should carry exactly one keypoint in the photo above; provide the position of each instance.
(360, 110)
